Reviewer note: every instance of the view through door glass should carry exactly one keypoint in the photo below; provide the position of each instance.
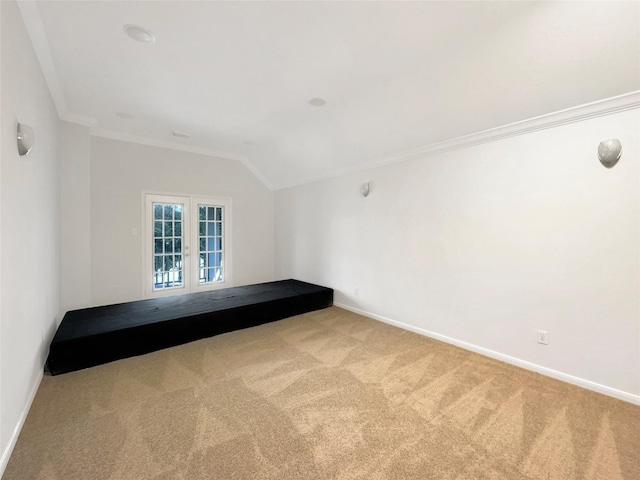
(210, 243)
(177, 226)
(168, 270)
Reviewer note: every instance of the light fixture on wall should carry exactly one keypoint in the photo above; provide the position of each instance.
(365, 189)
(26, 139)
(139, 34)
(609, 152)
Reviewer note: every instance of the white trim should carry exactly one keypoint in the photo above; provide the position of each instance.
(147, 233)
(16, 431)
(227, 242)
(152, 142)
(79, 119)
(600, 108)
(580, 382)
(254, 170)
(7, 451)
(35, 29)
(190, 242)
(6, 454)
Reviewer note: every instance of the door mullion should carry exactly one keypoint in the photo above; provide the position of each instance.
(167, 235)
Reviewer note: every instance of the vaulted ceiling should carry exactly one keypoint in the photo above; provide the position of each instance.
(238, 77)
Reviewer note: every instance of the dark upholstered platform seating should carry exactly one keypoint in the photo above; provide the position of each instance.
(93, 336)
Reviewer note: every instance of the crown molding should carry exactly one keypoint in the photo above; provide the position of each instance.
(79, 119)
(600, 108)
(254, 170)
(152, 142)
(35, 29)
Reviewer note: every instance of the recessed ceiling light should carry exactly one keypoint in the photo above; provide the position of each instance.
(180, 134)
(124, 115)
(317, 102)
(139, 33)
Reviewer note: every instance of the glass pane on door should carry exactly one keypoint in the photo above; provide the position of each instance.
(210, 244)
(168, 269)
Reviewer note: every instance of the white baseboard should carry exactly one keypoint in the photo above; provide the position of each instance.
(580, 382)
(16, 431)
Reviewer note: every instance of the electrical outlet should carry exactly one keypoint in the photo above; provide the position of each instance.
(543, 337)
(356, 292)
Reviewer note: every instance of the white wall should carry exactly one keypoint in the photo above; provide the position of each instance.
(121, 171)
(29, 219)
(487, 244)
(75, 216)
(4, 449)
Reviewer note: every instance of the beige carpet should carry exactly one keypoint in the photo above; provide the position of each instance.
(326, 395)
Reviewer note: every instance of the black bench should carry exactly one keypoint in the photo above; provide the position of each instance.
(93, 336)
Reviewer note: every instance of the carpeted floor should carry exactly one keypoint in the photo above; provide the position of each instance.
(326, 395)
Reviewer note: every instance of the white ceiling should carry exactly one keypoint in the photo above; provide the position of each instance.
(396, 76)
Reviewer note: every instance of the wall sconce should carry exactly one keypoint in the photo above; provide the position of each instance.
(26, 139)
(609, 152)
(365, 189)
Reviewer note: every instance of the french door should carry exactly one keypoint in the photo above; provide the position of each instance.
(187, 244)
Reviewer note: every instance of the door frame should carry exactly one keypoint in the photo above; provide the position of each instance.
(190, 239)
